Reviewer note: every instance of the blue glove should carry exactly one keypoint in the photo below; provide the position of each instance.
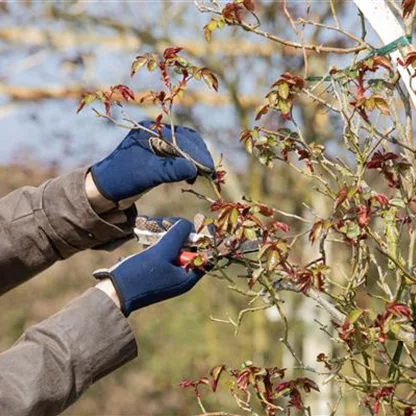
(152, 275)
(143, 161)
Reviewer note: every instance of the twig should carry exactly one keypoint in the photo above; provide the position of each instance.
(198, 195)
(249, 310)
(200, 404)
(289, 215)
(215, 188)
(334, 13)
(136, 126)
(320, 100)
(299, 35)
(337, 29)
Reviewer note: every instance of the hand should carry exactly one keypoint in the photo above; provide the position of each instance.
(143, 161)
(98, 203)
(152, 275)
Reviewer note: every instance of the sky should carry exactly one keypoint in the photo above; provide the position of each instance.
(48, 129)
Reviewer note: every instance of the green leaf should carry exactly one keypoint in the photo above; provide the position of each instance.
(152, 64)
(138, 63)
(264, 110)
(284, 392)
(369, 62)
(317, 149)
(272, 98)
(405, 333)
(381, 105)
(284, 90)
(209, 78)
(265, 160)
(354, 315)
(216, 374)
(197, 73)
(272, 141)
(198, 261)
(250, 234)
(249, 224)
(86, 100)
(207, 33)
(351, 230)
(261, 140)
(379, 84)
(391, 232)
(395, 329)
(212, 25)
(397, 202)
(351, 192)
(273, 259)
(100, 95)
(388, 323)
(234, 216)
(284, 106)
(221, 23)
(283, 246)
(370, 104)
(372, 315)
(182, 61)
(248, 145)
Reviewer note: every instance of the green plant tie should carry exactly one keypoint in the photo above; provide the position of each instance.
(383, 51)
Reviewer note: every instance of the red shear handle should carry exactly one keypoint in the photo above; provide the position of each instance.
(185, 257)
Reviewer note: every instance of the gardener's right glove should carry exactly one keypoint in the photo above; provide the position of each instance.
(153, 275)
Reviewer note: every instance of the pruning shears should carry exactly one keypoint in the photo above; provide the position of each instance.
(226, 248)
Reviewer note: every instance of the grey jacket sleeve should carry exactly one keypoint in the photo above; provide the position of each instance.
(55, 361)
(39, 226)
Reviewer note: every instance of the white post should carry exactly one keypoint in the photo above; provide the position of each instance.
(388, 28)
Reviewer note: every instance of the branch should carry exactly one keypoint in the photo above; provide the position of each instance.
(337, 29)
(21, 93)
(199, 195)
(324, 303)
(32, 36)
(217, 414)
(281, 41)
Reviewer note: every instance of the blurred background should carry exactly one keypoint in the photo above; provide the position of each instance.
(52, 51)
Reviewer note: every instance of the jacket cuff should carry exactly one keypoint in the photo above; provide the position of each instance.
(76, 225)
(99, 334)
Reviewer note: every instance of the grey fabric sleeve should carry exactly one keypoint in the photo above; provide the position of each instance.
(54, 362)
(39, 226)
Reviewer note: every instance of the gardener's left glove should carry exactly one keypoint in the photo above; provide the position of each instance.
(153, 275)
(143, 161)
